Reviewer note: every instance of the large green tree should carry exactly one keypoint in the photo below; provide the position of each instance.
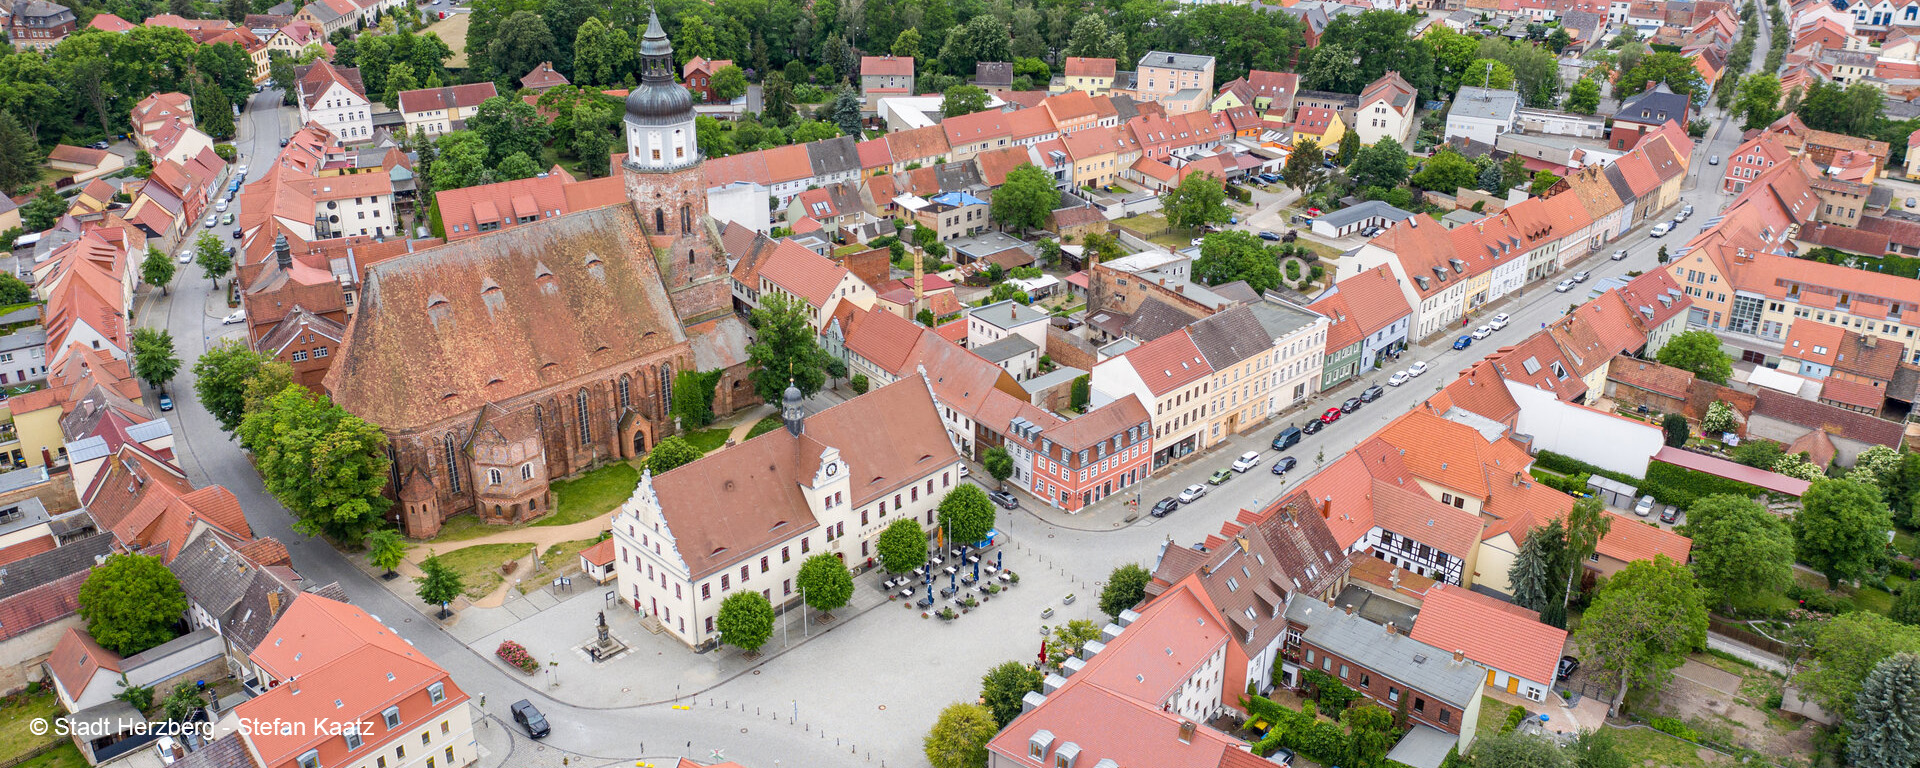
(1384, 164)
(154, 360)
(1740, 550)
(1885, 729)
(1534, 576)
(729, 83)
(1303, 168)
(745, 621)
(386, 549)
(1758, 100)
(1237, 255)
(1026, 199)
(212, 257)
(1197, 201)
(786, 351)
(157, 269)
(1644, 621)
(825, 582)
(46, 207)
(131, 603)
(1697, 351)
(1587, 523)
(1668, 67)
(220, 379)
(326, 465)
(959, 738)
(1126, 587)
(1004, 687)
(602, 55)
(902, 546)
(1841, 529)
(671, 452)
(1445, 172)
(966, 514)
(1584, 97)
(1845, 651)
(521, 43)
(963, 100)
(20, 155)
(438, 583)
(509, 126)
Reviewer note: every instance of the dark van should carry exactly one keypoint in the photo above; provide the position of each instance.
(1286, 438)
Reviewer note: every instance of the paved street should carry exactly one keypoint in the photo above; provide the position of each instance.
(846, 697)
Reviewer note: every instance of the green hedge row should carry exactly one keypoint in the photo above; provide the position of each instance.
(1683, 485)
(1320, 741)
(1675, 491)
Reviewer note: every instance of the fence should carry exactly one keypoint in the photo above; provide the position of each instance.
(1740, 633)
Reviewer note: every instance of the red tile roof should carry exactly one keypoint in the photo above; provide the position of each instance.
(1168, 363)
(1078, 66)
(600, 554)
(1651, 376)
(803, 273)
(451, 97)
(1631, 539)
(888, 65)
(1455, 619)
(1848, 392)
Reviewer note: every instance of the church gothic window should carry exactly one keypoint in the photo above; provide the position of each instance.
(580, 405)
(659, 221)
(686, 222)
(453, 466)
(625, 403)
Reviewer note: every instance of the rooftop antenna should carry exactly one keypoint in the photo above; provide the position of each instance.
(1486, 81)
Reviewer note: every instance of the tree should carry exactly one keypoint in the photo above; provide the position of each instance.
(153, 358)
(1198, 200)
(1584, 98)
(1349, 149)
(1797, 466)
(1676, 429)
(131, 603)
(959, 738)
(386, 549)
(674, 451)
(1885, 729)
(46, 207)
(825, 582)
(776, 100)
(1641, 625)
(1559, 40)
(1488, 73)
(1659, 67)
(1070, 639)
(1906, 606)
(1535, 573)
(399, 79)
(1875, 466)
(858, 383)
(1758, 100)
(1543, 181)
(1518, 750)
(602, 55)
(1382, 165)
(966, 514)
(1091, 38)
(438, 584)
(1513, 171)
(1445, 172)
(902, 546)
(1081, 393)
(1719, 418)
(844, 112)
(212, 257)
(1841, 529)
(745, 621)
(1372, 733)
(1005, 687)
(963, 100)
(520, 43)
(1026, 199)
(787, 351)
(1739, 548)
(998, 462)
(1236, 255)
(808, 131)
(182, 701)
(20, 155)
(326, 465)
(1126, 587)
(12, 290)
(1846, 650)
(1756, 452)
(157, 269)
(1587, 523)
(213, 113)
(1699, 352)
(907, 44)
(1596, 748)
(1303, 169)
(220, 379)
(509, 126)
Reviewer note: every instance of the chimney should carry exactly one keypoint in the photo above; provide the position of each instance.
(1459, 656)
(273, 604)
(919, 280)
(1349, 607)
(1186, 731)
(1390, 630)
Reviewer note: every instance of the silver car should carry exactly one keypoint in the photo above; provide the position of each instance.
(1645, 507)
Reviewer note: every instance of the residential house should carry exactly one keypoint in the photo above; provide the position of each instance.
(435, 111)
(83, 164)
(158, 111)
(543, 77)
(333, 98)
(1181, 82)
(1386, 111)
(1299, 343)
(816, 282)
(697, 75)
(1386, 666)
(1170, 373)
(1518, 652)
(1367, 318)
(1092, 76)
(993, 76)
(1645, 113)
(1241, 356)
(883, 76)
(1482, 114)
(38, 25)
(1752, 159)
(1090, 457)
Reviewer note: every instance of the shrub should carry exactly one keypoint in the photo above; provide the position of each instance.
(1675, 727)
(1515, 717)
(517, 655)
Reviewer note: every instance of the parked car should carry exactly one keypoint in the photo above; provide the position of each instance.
(1499, 321)
(1312, 426)
(1568, 665)
(1371, 393)
(1284, 465)
(1196, 241)
(1371, 231)
(1481, 332)
(240, 171)
(166, 402)
(237, 233)
(1266, 235)
(1714, 160)
(220, 206)
(1281, 756)
(227, 219)
(1247, 461)
(1463, 342)
(1332, 415)
(1192, 493)
(1645, 507)
(1286, 439)
(1670, 515)
(1685, 213)
(1661, 229)
(1581, 276)
(1563, 286)
(1350, 405)
(238, 316)
(1620, 255)
(1164, 507)
(1219, 476)
(1004, 499)
(186, 256)
(1418, 367)
(283, 142)
(212, 219)
(530, 718)
(1398, 378)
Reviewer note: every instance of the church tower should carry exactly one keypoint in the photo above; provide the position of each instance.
(667, 184)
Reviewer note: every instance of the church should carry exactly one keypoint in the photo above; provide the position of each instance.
(498, 364)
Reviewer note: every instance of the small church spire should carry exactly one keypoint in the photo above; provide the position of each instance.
(791, 411)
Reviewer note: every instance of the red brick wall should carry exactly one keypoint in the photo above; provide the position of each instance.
(1377, 685)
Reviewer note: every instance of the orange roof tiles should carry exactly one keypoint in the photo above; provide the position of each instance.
(1168, 363)
(1453, 618)
(1078, 66)
(1629, 539)
(802, 273)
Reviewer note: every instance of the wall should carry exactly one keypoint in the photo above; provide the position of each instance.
(1595, 437)
(21, 656)
(57, 493)
(1068, 350)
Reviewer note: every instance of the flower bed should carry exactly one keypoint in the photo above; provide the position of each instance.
(515, 654)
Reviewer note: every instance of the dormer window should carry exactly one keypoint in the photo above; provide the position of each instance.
(1039, 743)
(437, 692)
(392, 717)
(311, 759)
(352, 737)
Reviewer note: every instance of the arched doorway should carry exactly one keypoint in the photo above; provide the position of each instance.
(639, 443)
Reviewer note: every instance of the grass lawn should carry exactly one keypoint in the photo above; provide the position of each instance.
(1328, 254)
(1154, 227)
(64, 756)
(708, 440)
(453, 31)
(1645, 746)
(479, 565)
(764, 426)
(559, 555)
(1493, 714)
(16, 712)
(592, 494)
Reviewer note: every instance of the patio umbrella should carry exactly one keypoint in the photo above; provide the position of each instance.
(999, 560)
(976, 569)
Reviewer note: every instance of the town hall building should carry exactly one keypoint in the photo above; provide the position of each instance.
(499, 363)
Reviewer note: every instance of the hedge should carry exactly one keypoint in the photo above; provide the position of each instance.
(1663, 490)
(1317, 740)
(1683, 486)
